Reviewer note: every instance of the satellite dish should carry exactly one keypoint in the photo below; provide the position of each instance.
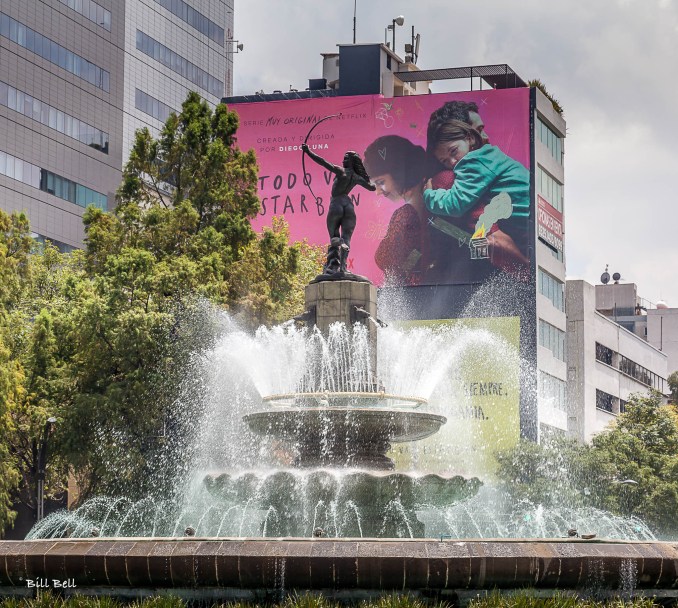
(615, 277)
(605, 278)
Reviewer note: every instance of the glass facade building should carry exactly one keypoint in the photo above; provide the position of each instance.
(75, 85)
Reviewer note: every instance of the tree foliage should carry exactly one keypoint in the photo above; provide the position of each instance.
(181, 232)
(101, 338)
(538, 84)
(13, 268)
(629, 469)
(32, 385)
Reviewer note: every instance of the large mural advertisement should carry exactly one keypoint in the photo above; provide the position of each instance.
(452, 176)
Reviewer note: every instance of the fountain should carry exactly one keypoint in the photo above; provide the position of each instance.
(339, 425)
(321, 504)
(334, 514)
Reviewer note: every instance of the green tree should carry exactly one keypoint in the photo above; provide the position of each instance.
(181, 233)
(102, 338)
(631, 468)
(13, 266)
(642, 447)
(28, 368)
(35, 354)
(542, 473)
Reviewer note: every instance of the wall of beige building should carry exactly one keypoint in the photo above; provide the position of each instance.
(551, 367)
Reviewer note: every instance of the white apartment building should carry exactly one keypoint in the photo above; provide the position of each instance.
(606, 362)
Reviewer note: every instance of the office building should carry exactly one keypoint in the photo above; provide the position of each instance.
(78, 77)
(608, 356)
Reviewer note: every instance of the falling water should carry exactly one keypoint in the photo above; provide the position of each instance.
(240, 484)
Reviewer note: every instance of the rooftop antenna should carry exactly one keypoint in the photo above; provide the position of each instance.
(413, 48)
(605, 277)
(355, 2)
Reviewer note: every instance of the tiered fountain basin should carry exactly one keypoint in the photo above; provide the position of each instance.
(341, 484)
(344, 429)
(337, 502)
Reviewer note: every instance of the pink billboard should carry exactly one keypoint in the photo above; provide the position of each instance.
(448, 208)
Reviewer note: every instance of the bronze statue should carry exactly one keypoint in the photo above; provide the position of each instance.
(341, 218)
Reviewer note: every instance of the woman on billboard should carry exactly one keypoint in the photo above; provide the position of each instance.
(399, 170)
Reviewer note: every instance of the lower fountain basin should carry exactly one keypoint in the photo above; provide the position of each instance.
(340, 502)
(344, 436)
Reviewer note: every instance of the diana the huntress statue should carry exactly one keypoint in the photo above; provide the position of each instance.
(341, 217)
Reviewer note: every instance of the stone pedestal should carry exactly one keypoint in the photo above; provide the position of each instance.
(344, 301)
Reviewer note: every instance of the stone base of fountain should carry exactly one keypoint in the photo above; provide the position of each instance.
(269, 569)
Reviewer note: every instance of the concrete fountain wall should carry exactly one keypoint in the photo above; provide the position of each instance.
(269, 568)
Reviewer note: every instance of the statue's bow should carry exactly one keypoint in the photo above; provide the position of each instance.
(306, 179)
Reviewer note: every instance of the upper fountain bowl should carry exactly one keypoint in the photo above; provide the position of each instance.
(344, 436)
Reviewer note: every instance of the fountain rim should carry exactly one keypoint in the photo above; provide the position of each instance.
(405, 401)
(599, 540)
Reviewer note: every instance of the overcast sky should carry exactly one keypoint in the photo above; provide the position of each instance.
(611, 64)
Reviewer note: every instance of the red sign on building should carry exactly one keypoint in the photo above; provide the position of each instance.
(549, 224)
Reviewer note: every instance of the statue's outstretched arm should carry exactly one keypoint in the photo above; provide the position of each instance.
(320, 160)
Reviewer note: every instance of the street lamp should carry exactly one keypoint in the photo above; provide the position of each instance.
(41, 464)
(399, 20)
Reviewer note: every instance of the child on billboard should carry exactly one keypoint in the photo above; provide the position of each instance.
(486, 187)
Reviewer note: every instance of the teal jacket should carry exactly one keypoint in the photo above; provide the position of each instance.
(478, 177)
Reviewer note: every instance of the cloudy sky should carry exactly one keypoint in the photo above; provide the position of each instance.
(611, 64)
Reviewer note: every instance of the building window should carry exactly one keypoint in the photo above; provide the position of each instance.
(53, 52)
(550, 188)
(550, 139)
(179, 65)
(552, 338)
(42, 240)
(622, 406)
(604, 354)
(605, 401)
(552, 391)
(194, 18)
(641, 374)
(32, 175)
(51, 117)
(553, 289)
(151, 106)
(92, 11)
